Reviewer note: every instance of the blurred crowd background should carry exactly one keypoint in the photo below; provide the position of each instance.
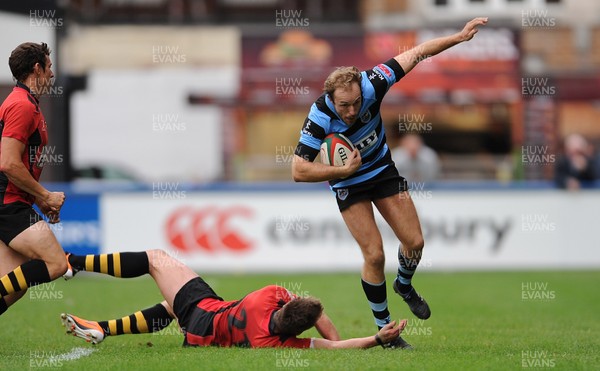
(205, 91)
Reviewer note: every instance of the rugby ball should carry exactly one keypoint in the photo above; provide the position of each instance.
(336, 149)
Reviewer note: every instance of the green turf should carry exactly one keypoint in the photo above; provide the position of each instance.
(480, 321)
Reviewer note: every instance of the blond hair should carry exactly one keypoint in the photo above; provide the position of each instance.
(341, 77)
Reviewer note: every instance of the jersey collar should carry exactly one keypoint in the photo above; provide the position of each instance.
(272, 323)
(26, 88)
(23, 86)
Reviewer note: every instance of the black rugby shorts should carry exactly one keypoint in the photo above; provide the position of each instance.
(385, 184)
(15, 218)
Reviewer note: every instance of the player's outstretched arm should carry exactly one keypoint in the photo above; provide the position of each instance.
(388, 333)
(326, 328)
(409, 59)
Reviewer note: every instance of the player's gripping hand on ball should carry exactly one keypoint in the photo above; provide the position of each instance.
(353, 163)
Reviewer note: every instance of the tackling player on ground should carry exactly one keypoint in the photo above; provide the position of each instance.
(350, 105)
(269, 317)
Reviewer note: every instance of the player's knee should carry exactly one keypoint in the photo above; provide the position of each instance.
(57, 267)
(375, 260)
(157, 258)
(415, 244)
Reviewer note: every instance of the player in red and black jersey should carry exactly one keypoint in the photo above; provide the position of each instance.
(246, 322)
(268, 317)
(29, 251)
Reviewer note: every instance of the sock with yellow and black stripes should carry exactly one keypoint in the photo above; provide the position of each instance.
(144, 321)
(124, 264)
(3, 306)
(31, 273)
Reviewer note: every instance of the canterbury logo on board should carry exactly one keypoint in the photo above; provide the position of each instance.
(209, 229)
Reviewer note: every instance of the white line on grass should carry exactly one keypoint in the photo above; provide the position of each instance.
(73, 355)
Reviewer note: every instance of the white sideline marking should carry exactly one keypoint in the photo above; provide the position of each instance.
(73, 355)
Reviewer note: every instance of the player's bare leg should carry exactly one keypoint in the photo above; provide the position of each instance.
(39, 244)
(400, 213)
(169, 273)
(9, 260)
(360, 220)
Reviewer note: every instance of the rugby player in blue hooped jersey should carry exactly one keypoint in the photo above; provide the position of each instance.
(350, 105)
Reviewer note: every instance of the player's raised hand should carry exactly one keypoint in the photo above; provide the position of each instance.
(471, 29)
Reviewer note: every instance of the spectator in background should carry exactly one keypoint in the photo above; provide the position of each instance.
(414, 160)
(577, 165)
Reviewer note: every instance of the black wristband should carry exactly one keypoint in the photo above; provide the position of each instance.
(379, 341)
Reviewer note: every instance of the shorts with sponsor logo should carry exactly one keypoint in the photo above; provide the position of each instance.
(15, 218)
(185, 306)
(385, 184)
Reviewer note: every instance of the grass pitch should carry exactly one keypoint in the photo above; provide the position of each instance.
(491, 321)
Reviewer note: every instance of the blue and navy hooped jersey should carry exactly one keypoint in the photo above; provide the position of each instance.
(367, 133)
